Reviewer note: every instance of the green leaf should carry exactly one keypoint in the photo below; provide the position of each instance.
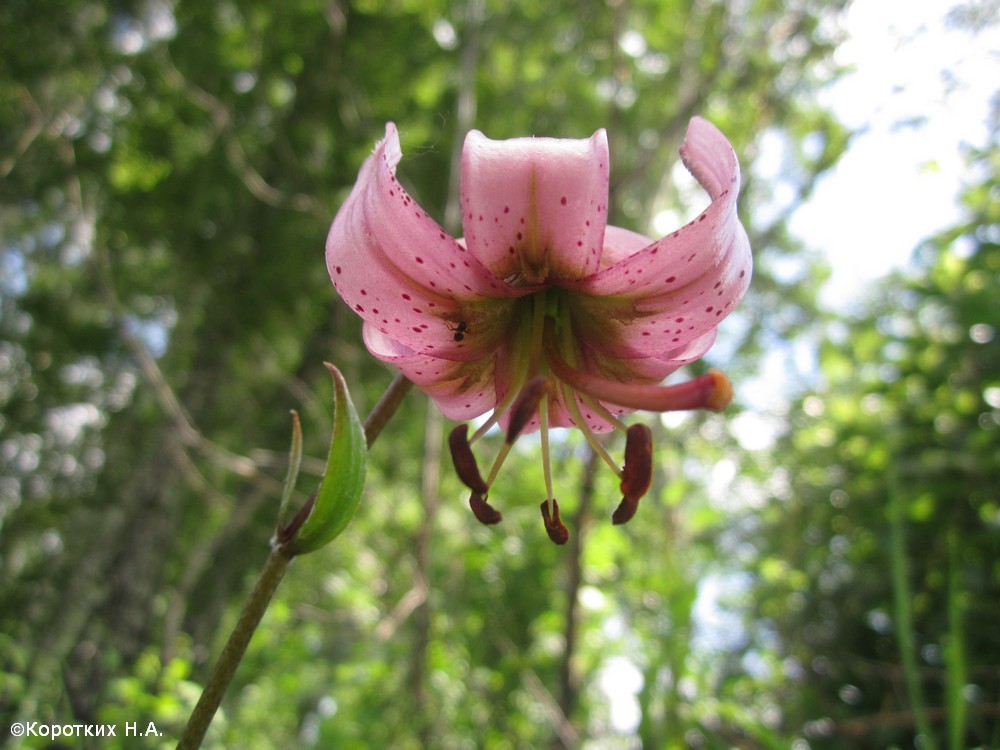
(344, 479)
(294, 464)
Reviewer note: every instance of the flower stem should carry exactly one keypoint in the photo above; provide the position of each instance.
(267, 583)
(386, 407)
(253, 610)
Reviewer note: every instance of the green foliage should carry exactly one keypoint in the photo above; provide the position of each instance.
(894, 468)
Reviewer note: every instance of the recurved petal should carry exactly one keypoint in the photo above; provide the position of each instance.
(462, 390)
(677, 289)
(620, 244)
(652, 368)
(397, 268)
(534, 209)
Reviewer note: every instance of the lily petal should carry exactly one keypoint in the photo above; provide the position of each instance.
(651, 369)
(399, 270)
(534, 209)
(677, 289)
(620, 244)
(462, 390)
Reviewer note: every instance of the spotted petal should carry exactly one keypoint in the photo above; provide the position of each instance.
(534, 209)
(403, 274)
(663, 297)
(462, 390)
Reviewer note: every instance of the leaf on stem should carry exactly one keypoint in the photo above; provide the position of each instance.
(343, 481)
(294, 462)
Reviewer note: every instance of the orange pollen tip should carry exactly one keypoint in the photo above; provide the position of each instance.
(720, 394)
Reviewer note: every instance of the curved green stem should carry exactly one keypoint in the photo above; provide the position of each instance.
(386, 407)
(267, 583)
(232, 654)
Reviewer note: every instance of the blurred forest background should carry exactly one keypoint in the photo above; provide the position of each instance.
(168, 173)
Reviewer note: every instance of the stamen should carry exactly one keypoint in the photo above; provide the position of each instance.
(526, 405)
(595, 444)
(554, 526)
(498, 462)
(465, 461)
(638, 472)
(603, 412)
(483, 511)
(543, 428)
(498, 412)
(526, 361)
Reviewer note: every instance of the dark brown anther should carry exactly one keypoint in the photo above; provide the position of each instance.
(483, 511)
(637, 474)
(554, 526)
(624, 512)
(465, 461)
(526, 405)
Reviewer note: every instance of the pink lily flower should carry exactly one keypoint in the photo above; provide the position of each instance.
(543, 312)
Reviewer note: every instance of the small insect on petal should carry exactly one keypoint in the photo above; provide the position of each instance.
(526, 405)
(483, 511)
(459, 330)
(465, 460)
(637, 473)
(554, 526)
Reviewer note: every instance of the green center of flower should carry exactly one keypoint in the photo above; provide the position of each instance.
(548, 371)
